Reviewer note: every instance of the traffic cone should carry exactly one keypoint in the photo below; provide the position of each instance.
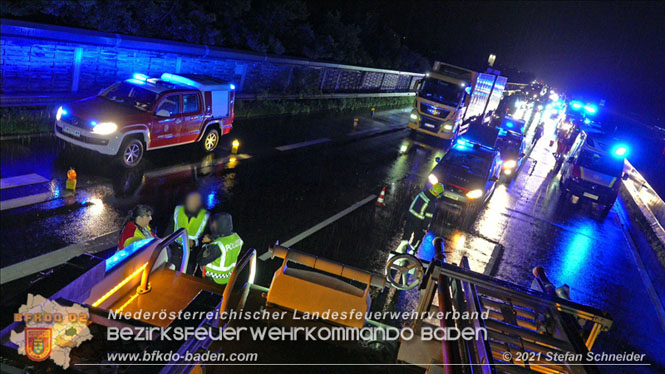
(382, 196)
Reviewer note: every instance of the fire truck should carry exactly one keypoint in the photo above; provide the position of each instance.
(143, 113)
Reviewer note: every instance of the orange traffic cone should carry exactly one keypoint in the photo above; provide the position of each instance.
(382, 197)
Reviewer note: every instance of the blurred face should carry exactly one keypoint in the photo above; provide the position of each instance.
(144, 221)
(193, 202)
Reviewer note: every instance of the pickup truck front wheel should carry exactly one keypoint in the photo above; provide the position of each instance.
(130, 153)
(210, 140)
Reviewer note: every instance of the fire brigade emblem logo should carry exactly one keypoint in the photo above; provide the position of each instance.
(37, 343)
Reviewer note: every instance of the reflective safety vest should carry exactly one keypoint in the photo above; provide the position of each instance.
(420, 204)
(220, 270)
(194, 226)
(137, 235)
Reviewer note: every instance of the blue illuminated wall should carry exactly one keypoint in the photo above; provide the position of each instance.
(49, 59)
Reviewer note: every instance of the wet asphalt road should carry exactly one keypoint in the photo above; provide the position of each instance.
(276, 195)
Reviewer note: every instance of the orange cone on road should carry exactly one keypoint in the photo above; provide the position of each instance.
(382, 197)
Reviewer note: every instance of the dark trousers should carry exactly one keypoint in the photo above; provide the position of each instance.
(417, 227)
(175, 257)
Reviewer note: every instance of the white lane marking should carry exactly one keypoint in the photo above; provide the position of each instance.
(321, 225)
(21, 180)
(25, 200)
(302, 144)
(354, 133)
(57, 257)
(188, 167)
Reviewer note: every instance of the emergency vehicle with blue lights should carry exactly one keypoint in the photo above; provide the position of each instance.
(143, 113)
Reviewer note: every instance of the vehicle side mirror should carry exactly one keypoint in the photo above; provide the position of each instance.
(494, 179)
(437, 159)
(163, 113)
(522, 154)
(624, 176)
(418, 85)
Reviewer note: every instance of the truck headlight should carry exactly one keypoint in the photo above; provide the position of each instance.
(433, 179)
(104, 128)
(474, 194)
(447, 127)
(509, 164)
(414, 116)
(59, 113)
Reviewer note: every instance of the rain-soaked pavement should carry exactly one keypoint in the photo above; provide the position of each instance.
(277, 193)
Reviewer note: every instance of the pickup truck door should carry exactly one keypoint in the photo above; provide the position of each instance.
(192, 117)
(165, 131)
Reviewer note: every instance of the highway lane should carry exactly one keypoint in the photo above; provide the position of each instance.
(277, 195)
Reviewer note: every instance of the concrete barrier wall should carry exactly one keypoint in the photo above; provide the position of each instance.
(40, 59)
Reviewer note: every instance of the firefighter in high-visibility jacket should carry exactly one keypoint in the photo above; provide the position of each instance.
(420, 216)
(193, 217)
(220, 256)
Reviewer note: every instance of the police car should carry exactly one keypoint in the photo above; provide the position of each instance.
(469, 172)
(510, 143)
(593, 170)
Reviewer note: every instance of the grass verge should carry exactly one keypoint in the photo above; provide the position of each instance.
(35, 120)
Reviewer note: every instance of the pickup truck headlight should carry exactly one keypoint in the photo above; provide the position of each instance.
(509, 164)
(433, 179)
(104, 128)
(413, 116)
(474, 194)
(447, 127)
(59, 113)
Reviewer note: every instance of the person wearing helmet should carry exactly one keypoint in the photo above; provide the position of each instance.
(219, 257)
(421, 212)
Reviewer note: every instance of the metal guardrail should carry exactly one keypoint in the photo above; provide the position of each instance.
(58, 99)
(144, 287)
(640, 190)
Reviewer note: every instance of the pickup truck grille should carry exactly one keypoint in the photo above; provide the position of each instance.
(74, 121)
(432, 110)
(455, 189)
(83, 138)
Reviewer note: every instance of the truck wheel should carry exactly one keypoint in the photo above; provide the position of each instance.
(210, 140)
(130, 153)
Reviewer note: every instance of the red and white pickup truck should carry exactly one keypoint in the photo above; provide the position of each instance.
(143, 113)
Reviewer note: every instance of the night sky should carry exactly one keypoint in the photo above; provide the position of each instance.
(599, 50)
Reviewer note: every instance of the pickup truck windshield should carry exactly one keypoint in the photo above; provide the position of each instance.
(130, 95)
(473, 163)
(509, 144)
(442, 92)
(600, 163)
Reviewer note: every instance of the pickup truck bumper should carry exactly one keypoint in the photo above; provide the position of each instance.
(106, 145)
